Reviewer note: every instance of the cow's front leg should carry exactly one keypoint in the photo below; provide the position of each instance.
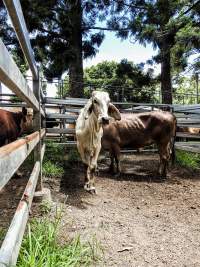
(87, 185)
(93, 167)
(90, 180)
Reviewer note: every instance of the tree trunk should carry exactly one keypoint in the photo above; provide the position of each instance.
(164, 45)
(166, 85)
(76, 62)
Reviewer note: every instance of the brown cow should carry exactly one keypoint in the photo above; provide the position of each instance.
(139, 130)
(11, 125)
(188, 130)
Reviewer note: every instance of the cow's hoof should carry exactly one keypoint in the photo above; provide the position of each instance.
(87, 186)
(92, 190)
(117, 175)
(162, 178)
(111, 171)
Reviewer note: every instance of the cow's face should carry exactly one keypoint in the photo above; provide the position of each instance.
(102, 107)
(26, 121)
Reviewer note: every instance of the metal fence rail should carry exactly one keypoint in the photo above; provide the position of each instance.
(14, 154)
(187, 117)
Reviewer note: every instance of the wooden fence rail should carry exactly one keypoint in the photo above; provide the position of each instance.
(14, 154)
(12, 242)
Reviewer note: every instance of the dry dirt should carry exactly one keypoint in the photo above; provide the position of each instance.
(138, 219)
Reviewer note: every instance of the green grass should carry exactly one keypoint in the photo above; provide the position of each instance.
(53, 163)
(51, 169)
(187, 159)
(57, 158)
(41, 247)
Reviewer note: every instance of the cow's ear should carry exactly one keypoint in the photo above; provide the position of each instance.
(24, 111)
(88, 108)
(114, 112)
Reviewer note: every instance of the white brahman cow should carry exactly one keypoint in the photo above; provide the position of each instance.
(89, 132)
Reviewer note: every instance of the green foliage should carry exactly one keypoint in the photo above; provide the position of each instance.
(170, 26)
(185, 90)
(45, 207)
(41, 247)
(73, 156)
(187, 159)
(55, 27)
(53, 163)
(56, 158)
(51, 169)
(124, 81)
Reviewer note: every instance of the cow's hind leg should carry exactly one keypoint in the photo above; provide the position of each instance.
(117, 160)
(164, 151)
(112, 166)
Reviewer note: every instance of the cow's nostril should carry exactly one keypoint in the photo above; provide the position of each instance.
(105, 120)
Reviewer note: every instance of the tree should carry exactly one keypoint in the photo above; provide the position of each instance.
(160, 23)
(60, 35)
(124, 81)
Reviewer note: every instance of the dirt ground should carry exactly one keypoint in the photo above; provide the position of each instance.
(138, 219)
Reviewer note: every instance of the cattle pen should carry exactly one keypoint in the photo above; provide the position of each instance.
(14, 154)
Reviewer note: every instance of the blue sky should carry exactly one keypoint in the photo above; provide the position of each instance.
(113, 48)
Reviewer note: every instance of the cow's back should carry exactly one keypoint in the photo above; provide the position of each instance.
(139, 130)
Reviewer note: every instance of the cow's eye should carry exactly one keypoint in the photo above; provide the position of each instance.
(95, 101)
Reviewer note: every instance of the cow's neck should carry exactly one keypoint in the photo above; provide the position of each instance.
(94, 123)
(95, 129)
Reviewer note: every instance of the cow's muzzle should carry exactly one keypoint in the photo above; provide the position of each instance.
(105, 120)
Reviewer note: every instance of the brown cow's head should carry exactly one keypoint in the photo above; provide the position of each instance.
(102, 108)
(26, 121)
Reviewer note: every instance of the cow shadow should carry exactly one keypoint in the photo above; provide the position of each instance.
(133, 169)
(72, 184)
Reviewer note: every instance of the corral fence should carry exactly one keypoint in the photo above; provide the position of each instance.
(15, 153)
(66, 111)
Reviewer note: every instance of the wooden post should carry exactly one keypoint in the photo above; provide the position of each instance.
(37, 127)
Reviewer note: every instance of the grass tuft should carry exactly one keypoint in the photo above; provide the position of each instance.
(41, 248)
(51, 169)
(188, 159)
(53, 163)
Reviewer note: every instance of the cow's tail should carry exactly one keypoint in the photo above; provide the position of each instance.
(173, 139)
